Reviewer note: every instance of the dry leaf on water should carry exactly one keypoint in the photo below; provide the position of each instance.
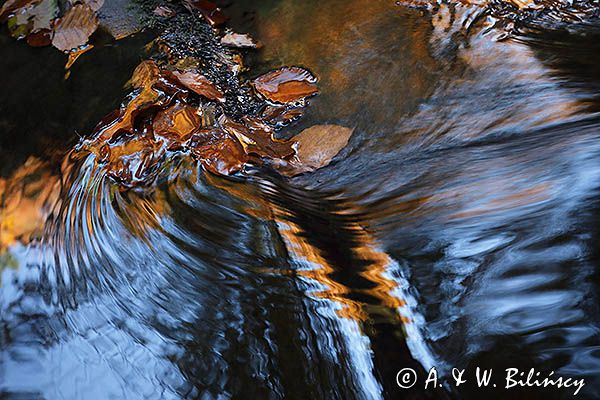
(239, 40)
(315, 148)
(286, 85)
(75, 27)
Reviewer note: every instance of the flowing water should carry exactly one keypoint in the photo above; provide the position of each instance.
(459, 228)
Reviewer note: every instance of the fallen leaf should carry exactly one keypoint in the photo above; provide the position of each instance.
(199, 84)
(145, 75)
(176, 123)
(257, 138)
(75, 27)
(18, 25)
(281, 116)
(40, 38)
(43, 15)
(315, 148)
(132, 161)
(10, 6)
(209, 11)
(240, 40)
(286, 85)
(218, 151)
(163, 11)
(122, 120)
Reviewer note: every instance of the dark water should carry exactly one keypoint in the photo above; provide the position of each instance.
(458, 229)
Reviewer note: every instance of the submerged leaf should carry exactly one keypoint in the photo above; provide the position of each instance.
(176, 122)
(19, 26)
(43, 14)
(257, 139)
(315, 148)
(199, 84)
(286, 85)
(131, 162)
(75, 27)
(218, 151)
(145, 75)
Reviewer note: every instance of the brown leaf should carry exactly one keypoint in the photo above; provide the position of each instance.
(218, 151)
(209, 11)
(257, 139)
(75, 27)
(315, 148)
(131, 162)
(281, 116)
(10, 6)
(239, 40)
(43, 15)
(176, 123)
(122, 120)
(286, 85)
(199, 84)
(145, 75)
(40, 38)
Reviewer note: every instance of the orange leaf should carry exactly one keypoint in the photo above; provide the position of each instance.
(218, 151)
(286, 85)
(199, 84)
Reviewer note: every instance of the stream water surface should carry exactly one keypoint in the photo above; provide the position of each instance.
(459, 227)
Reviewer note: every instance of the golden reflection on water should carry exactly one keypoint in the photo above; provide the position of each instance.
(364, 248)
(321, 270)
(26, 198)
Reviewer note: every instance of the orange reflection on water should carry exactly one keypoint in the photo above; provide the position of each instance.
(25, 200)
(300, 248)
(364, 247)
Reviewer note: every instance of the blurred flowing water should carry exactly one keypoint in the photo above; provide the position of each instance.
(458, 229)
